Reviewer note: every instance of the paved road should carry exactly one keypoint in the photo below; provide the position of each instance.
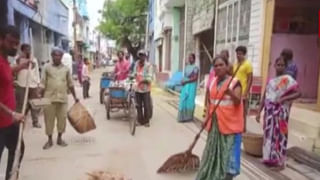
(110, 147)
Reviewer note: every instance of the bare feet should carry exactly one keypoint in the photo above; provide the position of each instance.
(147, 125)
(36, 125)
(61, 143)
(48, 145)
(277, 168)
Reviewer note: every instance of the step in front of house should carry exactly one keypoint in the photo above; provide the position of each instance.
(300, 140)
(316, 147)
(304, 129)
(305, 122)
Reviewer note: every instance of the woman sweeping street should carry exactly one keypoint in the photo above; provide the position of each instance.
(276, 102)
(189, 91)
(224, 54)
(221, 157)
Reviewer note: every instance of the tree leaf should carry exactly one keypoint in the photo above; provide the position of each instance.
(125, 22)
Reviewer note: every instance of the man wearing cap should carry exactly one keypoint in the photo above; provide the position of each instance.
(143, 74)
(56, 82)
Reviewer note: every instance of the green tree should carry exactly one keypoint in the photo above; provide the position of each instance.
(125, 22)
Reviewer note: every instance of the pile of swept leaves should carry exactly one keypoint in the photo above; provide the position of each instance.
(103, 175)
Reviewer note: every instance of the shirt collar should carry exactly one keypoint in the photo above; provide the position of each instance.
(59, 66)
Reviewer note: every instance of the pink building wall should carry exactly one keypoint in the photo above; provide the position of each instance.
(306, 56)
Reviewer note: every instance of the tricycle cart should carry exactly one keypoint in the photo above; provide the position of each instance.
(122, 98)
(104, 85)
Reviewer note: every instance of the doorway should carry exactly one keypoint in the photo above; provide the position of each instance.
(296, 27)
(205, 44)
(160, 58)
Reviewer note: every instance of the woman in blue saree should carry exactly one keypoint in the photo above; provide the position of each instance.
(189, 91)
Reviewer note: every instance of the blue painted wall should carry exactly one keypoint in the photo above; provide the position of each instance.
(55, 14)
(82, 7)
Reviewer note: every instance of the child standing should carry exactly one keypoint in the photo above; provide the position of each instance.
(85, 78)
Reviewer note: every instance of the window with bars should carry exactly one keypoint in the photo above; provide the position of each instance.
(229, 19)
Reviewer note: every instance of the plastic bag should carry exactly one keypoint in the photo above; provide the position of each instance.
(80, 119)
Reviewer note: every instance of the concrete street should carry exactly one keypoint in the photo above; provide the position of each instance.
(111, 147)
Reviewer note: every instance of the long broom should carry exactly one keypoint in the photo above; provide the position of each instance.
(14, 174)
(15, 167)
(186, 161)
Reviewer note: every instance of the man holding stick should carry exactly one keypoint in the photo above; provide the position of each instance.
(34, 82)
(9, 119)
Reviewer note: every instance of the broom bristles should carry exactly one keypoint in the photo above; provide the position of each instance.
(180, 163)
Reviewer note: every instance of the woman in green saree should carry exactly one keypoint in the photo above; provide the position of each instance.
(221, 157)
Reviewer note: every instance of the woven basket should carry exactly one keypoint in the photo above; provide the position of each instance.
(81, 119)
(253, 144)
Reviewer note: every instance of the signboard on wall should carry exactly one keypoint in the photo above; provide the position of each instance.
(202, 21)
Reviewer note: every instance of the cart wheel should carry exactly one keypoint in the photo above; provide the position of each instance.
(108, 108)
(132, 117)
(101, 95)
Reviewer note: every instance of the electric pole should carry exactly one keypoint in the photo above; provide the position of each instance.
(75, 21)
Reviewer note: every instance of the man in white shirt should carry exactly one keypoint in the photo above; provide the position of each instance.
(67, 61)
(34, 82)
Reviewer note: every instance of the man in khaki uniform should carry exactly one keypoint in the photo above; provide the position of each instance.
(56, 81)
